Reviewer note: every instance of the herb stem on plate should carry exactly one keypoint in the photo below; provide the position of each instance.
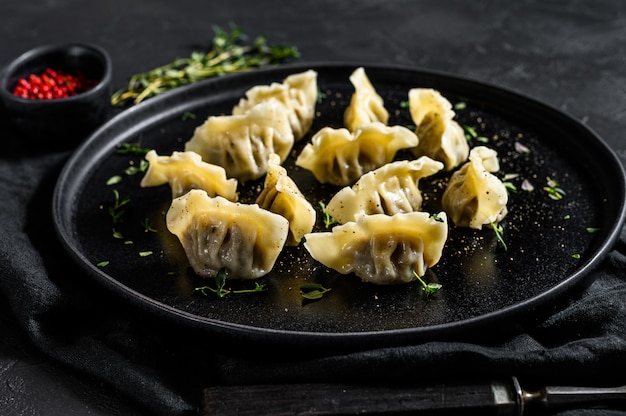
(229, 54)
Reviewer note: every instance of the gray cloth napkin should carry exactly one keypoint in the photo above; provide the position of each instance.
(77, 323)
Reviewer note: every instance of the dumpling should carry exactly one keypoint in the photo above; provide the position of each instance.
(366, 105)
(281, 195)
(217, 234)
(390, 189)
(382, 249)
(185, 171)
(474, 197)
(440, 137)
(241, 144)
(339, 157)
(298, 93)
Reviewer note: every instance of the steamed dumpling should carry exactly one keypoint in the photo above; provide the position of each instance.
(281, 195)
(241, 144)
(440, 137)
(390, 189)
(382, 249)
(366, 105)
(298, 93)
(217, 234)
(185, 171)
(339, 157)
(474, 197)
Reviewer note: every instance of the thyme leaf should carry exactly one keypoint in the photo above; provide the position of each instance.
(113, 180)
(553, 189)
(435, 217)
(497, 228)
(147, 226)
(471, 134)
(221, 290)
(132, 170)
(131, 148)
(117, 210)
(429, 288)
(328, 219)
(461, 105)
(313, 291)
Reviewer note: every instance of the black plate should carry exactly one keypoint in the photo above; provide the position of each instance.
(482, 283)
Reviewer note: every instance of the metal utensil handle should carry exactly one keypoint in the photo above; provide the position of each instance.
(562, 396)
(339, 399)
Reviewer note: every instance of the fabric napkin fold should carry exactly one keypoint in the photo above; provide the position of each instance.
(79, 324)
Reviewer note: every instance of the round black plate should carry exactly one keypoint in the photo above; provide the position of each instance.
(550, 249)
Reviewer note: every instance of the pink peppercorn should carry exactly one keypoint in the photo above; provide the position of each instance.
(51, 84)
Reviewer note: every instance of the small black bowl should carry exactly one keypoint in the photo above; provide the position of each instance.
(59, 122)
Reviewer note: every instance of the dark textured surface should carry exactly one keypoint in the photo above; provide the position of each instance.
(67, 346)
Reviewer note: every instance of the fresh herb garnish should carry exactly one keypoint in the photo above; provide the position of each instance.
(103, 264)
(320, 96)
(188, 115)
(313, 291)
(461, 105)
(117, 210)
(435, 217)
(576, 256)
(553, 189)
(147, 226)
(132, 170)
(220, 287)
(113, 180)
(328, 219)
(497, 228)
(130, 148)
(592, 230)
(230, 53)
(429, 288)
(145, 253)
(510, 187)
(471, 134)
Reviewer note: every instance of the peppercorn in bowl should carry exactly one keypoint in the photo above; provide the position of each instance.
(57, 95)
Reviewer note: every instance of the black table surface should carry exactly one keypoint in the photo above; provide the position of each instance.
(568, 54)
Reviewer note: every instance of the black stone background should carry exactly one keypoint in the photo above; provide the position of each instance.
(67, 348)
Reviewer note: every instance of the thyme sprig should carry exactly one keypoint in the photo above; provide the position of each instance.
(221, 290)
(497, 228)
(230, 53)
(328, 219)
(116, 211)
(429, 288)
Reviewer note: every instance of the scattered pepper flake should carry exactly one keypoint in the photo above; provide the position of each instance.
(520, 148)
(527, 186)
